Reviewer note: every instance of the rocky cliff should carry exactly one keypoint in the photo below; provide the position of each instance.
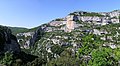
(37, 35)
(71, 22)
(8, 42)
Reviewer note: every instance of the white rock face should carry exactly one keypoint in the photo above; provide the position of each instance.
(115, 20)
(88, 18)
(57, 23)
(113, 46)
(111, 14)
(102, 20)
(96, 32)
(49, 50)
(114, 14)
(25, 34)
(55, 41)
(70, 23)
(99, 32)
(103, 38)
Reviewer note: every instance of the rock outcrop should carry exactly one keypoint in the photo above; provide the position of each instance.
(37, 35)
(8, 42)
(72, 22)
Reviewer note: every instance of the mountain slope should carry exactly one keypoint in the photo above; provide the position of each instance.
(79, 36)
(88, 38)
(10, 52)
(17, 30)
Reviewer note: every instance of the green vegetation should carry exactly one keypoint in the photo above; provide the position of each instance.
(16, 30)
(59, 19)
(102, 57)
(93, 14)
(72, 14)
(7, 59)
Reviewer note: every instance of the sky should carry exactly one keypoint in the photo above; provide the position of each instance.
(32, 13)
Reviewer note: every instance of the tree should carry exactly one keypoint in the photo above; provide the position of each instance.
(56, 49)
(7, 59)
(117, 54)
(102, 57)
(65, 59)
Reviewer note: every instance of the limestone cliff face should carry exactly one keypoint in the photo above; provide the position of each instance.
(70, 23)
(37, 35)
(8, 42)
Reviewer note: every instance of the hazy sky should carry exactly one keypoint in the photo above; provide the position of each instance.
(31, 13)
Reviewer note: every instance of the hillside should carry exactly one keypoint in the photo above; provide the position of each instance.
(16, 30)
(86, 44)
(89, 38)
(10, 52)
(79, 39)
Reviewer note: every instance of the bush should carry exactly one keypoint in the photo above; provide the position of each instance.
(7, 59)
